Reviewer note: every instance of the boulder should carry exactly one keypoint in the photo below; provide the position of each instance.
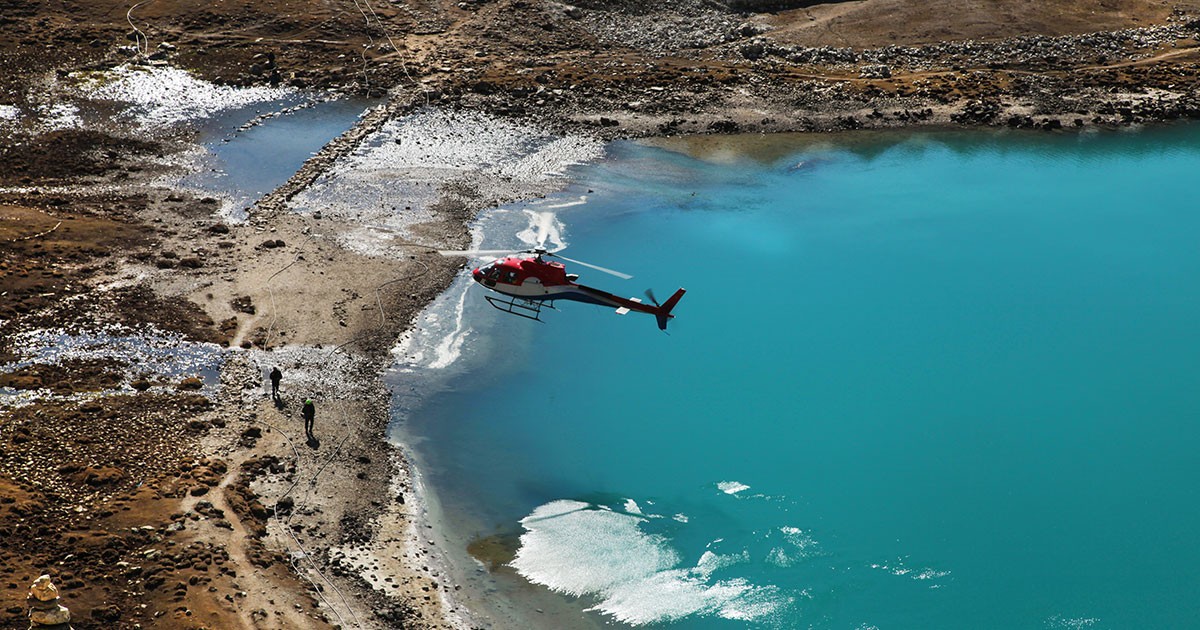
(875, 71)
(754, 50)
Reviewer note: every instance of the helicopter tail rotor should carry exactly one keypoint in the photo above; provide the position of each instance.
(663, 313)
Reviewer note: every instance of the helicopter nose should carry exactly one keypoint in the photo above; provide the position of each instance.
(477, 275)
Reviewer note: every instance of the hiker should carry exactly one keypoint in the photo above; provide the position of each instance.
(309, 411)
(276, 375)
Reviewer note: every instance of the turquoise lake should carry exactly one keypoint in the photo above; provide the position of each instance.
(923, 380)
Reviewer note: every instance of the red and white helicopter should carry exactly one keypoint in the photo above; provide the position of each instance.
(531, 282)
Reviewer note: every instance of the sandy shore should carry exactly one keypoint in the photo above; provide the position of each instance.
(161, 485)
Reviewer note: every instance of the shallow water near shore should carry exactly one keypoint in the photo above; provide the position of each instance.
(252, 150)
(937, 380)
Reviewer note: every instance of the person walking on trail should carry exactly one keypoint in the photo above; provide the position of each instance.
(276, 375)
(309, 412)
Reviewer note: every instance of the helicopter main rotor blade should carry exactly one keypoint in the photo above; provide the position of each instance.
(476, 252)
(623, 276)
(542, 235)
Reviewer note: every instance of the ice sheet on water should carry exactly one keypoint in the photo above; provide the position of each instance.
(581, 548)
(732, 487)
(437, 340)
(558, 205)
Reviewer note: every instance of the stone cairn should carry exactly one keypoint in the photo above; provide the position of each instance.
(45, 611)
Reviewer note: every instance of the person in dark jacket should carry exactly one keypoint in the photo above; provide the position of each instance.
(276, 376)
(309, 412)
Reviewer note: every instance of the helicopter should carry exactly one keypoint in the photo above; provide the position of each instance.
(529, 283)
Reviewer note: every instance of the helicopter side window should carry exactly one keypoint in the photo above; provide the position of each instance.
(491, 272)
(511, 277)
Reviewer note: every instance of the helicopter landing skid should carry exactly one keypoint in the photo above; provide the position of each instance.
(529, 309)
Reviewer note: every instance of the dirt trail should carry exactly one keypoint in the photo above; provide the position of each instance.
(261, 590)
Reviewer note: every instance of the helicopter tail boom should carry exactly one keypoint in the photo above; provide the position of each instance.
(661, 312)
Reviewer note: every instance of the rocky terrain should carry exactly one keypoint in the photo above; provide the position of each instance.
(178, 495)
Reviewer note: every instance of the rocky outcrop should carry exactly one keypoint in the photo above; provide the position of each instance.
(757, 6)
(1030, 51)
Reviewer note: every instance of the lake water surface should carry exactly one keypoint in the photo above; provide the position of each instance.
(933, 380)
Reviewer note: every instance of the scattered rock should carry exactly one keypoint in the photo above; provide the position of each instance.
(875, 71)
(243, 304)
(192, 383)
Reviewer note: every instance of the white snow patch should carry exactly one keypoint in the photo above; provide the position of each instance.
(60, 116)
(161, 96)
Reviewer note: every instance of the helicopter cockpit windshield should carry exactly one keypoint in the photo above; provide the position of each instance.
(489, 271)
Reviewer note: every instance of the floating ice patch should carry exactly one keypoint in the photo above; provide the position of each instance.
(437, 340)
(447, 351)
(568, 204)
(1058, 622)
(798, 538)
(898, 568)
(161, 96)
(582, 549)
(711, 562)
(732, 487)
(799, 546)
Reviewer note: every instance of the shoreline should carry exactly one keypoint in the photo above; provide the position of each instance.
(106, 191)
